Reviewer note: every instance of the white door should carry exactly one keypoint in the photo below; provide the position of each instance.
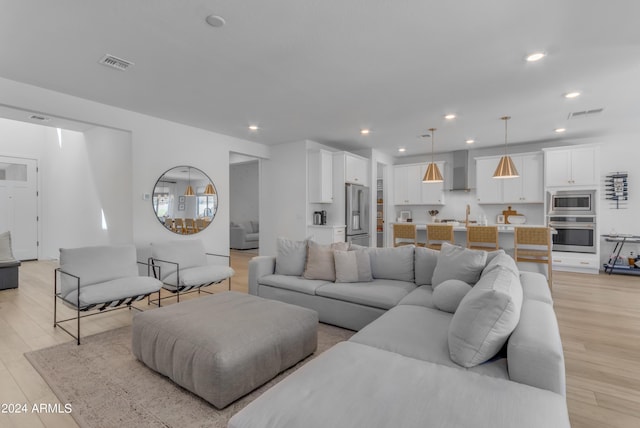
(19, 205)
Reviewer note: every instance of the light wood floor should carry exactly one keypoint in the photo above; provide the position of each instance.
(599, 317)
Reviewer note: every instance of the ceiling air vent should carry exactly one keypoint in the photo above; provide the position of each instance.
(40, 118)
(584, 113)
(115, 62)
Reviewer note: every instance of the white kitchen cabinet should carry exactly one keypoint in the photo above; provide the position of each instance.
(528, 188)
(406, 185)
(431, 193)
(409, 188)
(356, 169)
(575, 166)
(488, 189)
(525, 189)
(326, 235)
(320, 177)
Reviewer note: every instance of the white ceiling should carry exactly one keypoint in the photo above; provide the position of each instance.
(322, 70)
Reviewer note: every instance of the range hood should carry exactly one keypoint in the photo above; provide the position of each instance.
(460, 171)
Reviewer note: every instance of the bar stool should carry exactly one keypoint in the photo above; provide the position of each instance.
(406, 233)
(437, 234)
(533, 245)
(482, 238)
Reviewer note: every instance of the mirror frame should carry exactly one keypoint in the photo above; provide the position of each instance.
(184, 230)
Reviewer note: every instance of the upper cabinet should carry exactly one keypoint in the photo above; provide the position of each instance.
(320, 172)
(356, 169)
(409, 188)
(528, 188)
(566, 167)
(525, 189)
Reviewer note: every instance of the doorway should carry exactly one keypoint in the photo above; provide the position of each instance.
(19, 205)
(380, 211)
(244, 203)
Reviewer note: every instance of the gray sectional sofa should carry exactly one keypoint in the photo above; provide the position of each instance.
(493, 357)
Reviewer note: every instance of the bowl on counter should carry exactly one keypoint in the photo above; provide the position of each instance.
(517, 219)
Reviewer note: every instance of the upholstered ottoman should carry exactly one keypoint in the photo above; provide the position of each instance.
(223, 346)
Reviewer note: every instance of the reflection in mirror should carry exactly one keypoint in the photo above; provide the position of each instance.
(185, 200)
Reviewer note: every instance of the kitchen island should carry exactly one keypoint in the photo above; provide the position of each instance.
(505, 232)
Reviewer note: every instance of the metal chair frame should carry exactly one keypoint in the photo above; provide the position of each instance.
(101, 307)
(180, 289)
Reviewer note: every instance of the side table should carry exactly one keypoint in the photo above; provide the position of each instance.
(620, 240)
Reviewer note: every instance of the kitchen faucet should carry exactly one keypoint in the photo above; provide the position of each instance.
(466, 216)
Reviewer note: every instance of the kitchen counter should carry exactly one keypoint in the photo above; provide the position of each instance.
(502, 228)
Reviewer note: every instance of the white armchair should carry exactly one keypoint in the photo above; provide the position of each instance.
(183, 266)
(102, 278)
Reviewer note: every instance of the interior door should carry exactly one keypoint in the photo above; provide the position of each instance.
(19, 205)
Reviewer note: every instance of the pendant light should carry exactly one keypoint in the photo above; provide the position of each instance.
(189, 191)
(209, 190)
(433, 174)
(506, 168)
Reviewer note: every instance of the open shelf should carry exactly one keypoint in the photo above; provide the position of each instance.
(628, 270)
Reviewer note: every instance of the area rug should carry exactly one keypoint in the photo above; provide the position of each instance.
(107, 387)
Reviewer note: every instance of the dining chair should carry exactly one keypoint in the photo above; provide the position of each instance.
(482, 238)
(405, 234)
(178, 224)
(168, 223)
(533, 245)
(437, 234)
(201, 224)
(190, 226)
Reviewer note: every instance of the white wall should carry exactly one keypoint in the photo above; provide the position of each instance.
(77, 180)
(244, 191)
(283, 198)
(87, 175)
(156, 146)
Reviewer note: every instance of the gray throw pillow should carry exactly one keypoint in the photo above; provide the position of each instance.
(320, 263)
(291, 257)
(5, 247)
(425, 263)
(455, 262)
(504, 260)
(485, 318)
(392, 263)
(352, 266)
(448, 295)
(492, 254)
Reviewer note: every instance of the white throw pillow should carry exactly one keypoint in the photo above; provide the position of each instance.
(455, 262)
(485, 318)
(352, 266)
(5, 247)
(448, 295)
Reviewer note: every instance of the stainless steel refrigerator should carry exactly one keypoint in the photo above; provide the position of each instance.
(357, 214)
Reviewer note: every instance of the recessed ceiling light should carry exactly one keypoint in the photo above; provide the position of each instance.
(470, 141)
(402, 150)
(253, 127)
(559, 130)
(536, 56)
(574, 94)
(450, 116)
(365, 131)
(215, 21)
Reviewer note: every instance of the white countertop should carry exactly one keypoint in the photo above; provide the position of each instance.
(328, 226)
(502, 228)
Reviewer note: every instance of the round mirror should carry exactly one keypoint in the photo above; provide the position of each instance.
(185, 200)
